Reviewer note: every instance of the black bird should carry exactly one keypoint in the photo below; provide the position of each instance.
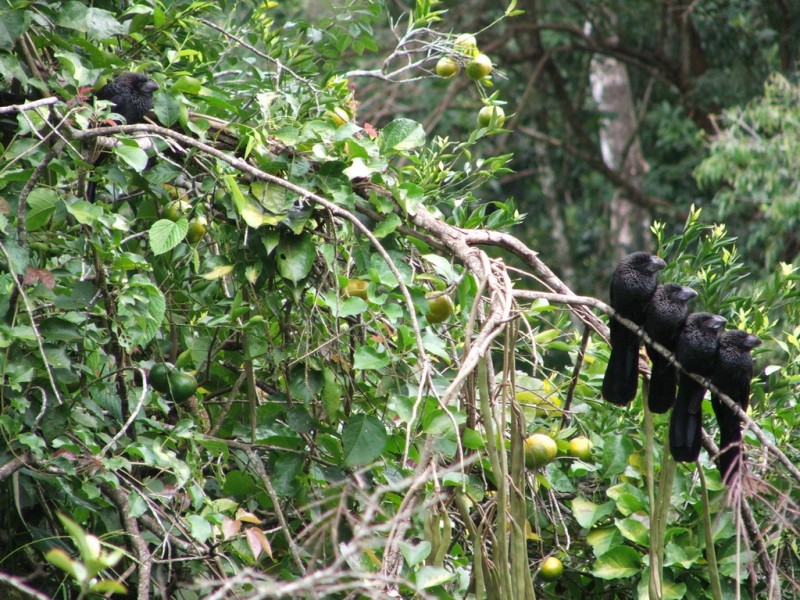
(732, 374)
(131, 96)
(696, 351)
(664, 317)
(632, 285)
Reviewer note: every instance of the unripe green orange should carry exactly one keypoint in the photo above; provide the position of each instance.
(580, 447)
(479, 67)
(439, 309)
(447, 67)
(551, 569)
(491, 115)
(540, 449)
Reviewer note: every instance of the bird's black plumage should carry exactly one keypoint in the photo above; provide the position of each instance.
(632, 285)
(131, 96)
(733, 371)
(663, 320)
(696, 351)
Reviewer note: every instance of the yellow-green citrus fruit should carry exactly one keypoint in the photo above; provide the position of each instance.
(174, 210)
(159, 376)
(551, 569)
(182, 386)
(540, 449)
(439, 309)
(479, 67)
(580, 447)
(197, 229)
(447, 67)
(491, 115)
(466, 44)
(357, 288)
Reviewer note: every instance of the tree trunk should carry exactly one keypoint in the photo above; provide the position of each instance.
(621, 150)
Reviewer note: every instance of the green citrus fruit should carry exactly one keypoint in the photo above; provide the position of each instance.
(479, 67)
(580, 447)
(466, 44)
(159, 376)
(551, 569)
(357, 288)
(447, 67)
(439, 309)
(197, 229)
(175, 209)
(491, 115)
(182, 386)
(540, 449)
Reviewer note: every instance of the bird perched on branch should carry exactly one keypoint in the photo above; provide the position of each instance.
(696, 351)
(732, 374)
(664, 317)
(632, 285)
(131, 96)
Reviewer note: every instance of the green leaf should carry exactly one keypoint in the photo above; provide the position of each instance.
(363, 440)
(629, 499)
(359, 170)
(60, 559)
(618, 563)
(387, 226)
(165, 234)
(296, 256)
(402, 135)
(187, 85)
(415, 553)
(604, 539)
(167, 109)
(13, 24)
(41, 205)
(428, 577)
(588, 513)
(101, 24)
(634, 530)
(109, 586)
(133, 156)
(367, 358)
(84, 212)
(199, 528)
(141, 308)
(616, 449)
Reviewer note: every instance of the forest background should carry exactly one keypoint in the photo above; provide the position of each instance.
(368, 299)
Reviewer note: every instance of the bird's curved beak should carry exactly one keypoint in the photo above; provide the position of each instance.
(656, 264)
(752, 341)
(718, 322)
(686, 294)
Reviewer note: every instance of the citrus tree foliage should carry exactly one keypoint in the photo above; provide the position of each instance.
(280, 356)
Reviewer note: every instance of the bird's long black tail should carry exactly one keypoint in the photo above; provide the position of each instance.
(730, 440)
(622, 374)
(91, 185)
(686, 422)
(663, 377)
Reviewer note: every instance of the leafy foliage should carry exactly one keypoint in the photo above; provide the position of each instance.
(230, 410)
